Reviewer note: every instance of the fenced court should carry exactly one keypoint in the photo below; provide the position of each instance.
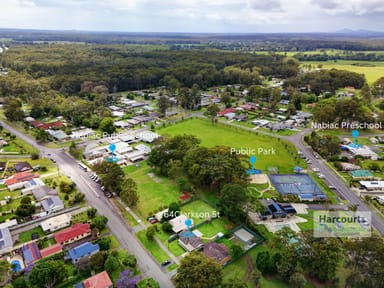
(296, 184)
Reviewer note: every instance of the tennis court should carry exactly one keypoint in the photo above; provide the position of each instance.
(297, 184)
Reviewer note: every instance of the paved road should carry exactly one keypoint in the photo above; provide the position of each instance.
(95, 198)
(341, 189)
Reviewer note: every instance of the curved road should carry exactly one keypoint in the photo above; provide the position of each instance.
(95, 198)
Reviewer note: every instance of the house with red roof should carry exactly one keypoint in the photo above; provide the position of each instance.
(100, 280)
(226, 111)
(75, 233)
(51, 250)
(45, 126)
(20, 178)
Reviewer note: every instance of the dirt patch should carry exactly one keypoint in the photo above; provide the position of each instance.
(259, 179)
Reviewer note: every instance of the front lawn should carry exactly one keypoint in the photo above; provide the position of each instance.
(152, 247)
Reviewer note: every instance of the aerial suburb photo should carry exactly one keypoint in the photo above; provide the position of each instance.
(191, 144)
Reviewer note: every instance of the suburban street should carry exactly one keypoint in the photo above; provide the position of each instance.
(116, 224)
(341, 189)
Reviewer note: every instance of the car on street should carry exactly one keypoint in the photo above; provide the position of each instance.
(314, 169)
(166, 263)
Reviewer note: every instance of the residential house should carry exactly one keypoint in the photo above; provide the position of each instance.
(22, 167)
(58, 135)
(31, 253)
(100, 280)
(18, 180)
(42, 192)
(82, 133)
(189, 241)
(52, 204)
(56, 223)
(77, 232)
(122, 124)
(84, 250)
(28, 186)
(178, 223)
(217, 251)
(226, 111)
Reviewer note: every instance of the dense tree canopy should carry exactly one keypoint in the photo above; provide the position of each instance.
(198, 271)
(47, 274)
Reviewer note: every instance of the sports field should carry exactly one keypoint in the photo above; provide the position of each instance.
(282, 154)
(371, 70)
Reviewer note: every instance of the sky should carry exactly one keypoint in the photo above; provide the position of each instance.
(215, 16)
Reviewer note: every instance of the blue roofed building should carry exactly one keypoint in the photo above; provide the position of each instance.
(86, 249)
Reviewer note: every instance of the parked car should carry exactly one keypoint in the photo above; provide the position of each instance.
(108, 194)
(152, 220)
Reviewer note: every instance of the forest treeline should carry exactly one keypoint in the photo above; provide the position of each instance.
(64, 67)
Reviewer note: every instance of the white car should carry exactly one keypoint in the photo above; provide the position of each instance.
(321, 175)
(314, 169)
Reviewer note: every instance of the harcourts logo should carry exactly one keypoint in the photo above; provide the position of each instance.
(342, 224)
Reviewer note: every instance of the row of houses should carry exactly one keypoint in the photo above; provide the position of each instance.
(123, 152)
(30, 183)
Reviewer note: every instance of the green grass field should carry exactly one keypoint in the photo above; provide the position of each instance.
(220, 134)
(153, 192)
(371, 70)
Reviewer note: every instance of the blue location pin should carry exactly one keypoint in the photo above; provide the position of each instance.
(112, 147)
(188, 223)
(355, 134)
(252, 159)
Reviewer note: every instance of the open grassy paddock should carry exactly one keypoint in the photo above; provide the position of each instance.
(220, 134)
(371, 70)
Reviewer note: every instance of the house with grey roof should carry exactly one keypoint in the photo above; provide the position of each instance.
(6, 242)
(42, 192)
(52, 204)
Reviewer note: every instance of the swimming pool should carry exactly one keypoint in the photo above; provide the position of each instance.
(16, 266)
